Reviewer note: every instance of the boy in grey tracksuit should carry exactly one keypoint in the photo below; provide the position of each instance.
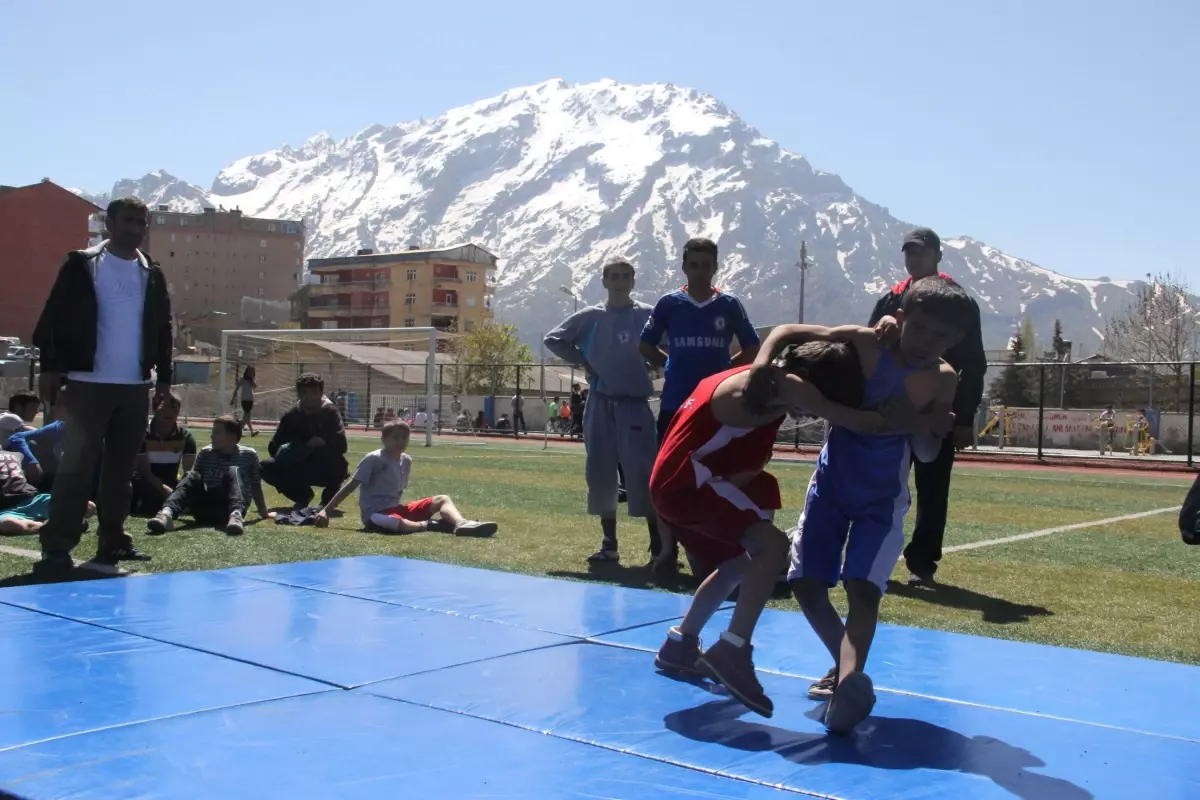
(618, 423)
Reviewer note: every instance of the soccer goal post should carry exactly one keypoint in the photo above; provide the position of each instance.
(371, 374)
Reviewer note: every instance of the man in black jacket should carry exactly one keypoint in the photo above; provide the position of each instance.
(105, 326)
(922, 254)
(309, 447)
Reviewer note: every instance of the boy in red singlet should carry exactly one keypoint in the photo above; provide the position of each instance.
(710, 486)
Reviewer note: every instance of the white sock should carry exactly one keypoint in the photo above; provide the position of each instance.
(733, 639)
(675, 635)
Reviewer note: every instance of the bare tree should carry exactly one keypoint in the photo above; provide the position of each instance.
(1157, 325)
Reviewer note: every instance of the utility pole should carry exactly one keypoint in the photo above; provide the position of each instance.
(803, 265)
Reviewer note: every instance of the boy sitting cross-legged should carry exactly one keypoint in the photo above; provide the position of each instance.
(383, 477)
(710, 485)
(215, 490)
(858, 496)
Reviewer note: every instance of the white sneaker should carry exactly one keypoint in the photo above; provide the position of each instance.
(235, 526)
(471, 527)
(160, 523)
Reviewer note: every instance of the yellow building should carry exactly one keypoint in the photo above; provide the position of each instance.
(449, 289)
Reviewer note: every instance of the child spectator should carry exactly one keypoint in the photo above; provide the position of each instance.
(309, 446)
(41, 450)
(23, 509)
(168, 451)
(215, 491)
(22, 410)
(383, 476)
(245, 391)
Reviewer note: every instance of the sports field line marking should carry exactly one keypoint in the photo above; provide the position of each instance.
(107, 569)
(1020, 537)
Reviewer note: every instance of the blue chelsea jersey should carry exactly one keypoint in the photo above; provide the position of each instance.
(698, 337)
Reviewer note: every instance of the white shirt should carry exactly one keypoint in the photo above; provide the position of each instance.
(120, 304)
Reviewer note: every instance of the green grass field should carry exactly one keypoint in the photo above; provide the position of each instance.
(1129, 587)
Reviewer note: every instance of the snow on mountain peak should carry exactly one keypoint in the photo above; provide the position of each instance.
(556, 177)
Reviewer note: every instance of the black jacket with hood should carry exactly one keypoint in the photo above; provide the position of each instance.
(66, 331)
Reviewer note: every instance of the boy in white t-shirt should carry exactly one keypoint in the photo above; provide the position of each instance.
(383, 477)
(22, 409)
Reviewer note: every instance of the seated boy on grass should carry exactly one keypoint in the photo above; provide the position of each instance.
(215, 491)
(852, 526)
(23, 509)
(382, 477)
(710, 485)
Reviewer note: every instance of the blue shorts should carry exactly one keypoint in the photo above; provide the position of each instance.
(871, 532)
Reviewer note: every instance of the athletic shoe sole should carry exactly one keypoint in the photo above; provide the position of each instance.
(852, 702)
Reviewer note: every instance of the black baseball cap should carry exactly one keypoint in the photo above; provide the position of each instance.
(925, 237)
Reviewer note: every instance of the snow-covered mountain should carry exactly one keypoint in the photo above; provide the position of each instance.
(556, 178)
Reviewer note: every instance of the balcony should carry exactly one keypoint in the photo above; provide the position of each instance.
(344, 287)
(341, 312)
(445, 309)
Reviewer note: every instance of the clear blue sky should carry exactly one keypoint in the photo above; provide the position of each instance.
(1064, 131)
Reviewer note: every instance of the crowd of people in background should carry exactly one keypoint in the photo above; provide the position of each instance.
(106, 349)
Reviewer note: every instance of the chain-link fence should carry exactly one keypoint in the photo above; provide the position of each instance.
(1096, 408)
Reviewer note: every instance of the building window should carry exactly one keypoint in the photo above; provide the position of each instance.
(471, 275)
(296, 245)
(487, 301)
(262, 242)
(410, 299)
(291, 227)
(260, 291)
(172, 254)
(409, 322)
(410, 275)
(187, 238)
(329, 323)
(270, 227)
(470, 301)
(468, 326)
(378, 322)
(172, 237)
(261, 274)
(381, 302)
(160, 220)
(262, 259)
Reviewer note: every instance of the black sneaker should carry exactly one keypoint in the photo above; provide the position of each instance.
(115, 555)
(53, 564)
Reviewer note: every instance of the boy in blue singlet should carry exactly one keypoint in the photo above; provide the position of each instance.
(698, 324)
(858, 495)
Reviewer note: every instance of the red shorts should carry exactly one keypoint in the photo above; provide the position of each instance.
(416, 511)
(709, 521)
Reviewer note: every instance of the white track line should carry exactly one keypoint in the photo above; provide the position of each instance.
(1060, 529)
(34, 555)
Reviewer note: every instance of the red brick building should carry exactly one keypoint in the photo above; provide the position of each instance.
(39, 225)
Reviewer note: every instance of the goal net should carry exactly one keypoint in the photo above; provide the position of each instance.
(372, 375)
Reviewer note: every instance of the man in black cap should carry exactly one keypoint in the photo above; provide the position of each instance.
(922, 254)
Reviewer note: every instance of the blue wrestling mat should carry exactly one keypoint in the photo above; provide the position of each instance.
(382, 677)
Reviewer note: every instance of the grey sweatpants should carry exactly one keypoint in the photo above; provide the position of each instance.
(619, 430)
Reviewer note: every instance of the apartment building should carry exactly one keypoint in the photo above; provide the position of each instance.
(39, 225)
(226, 270)
(449, 289)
